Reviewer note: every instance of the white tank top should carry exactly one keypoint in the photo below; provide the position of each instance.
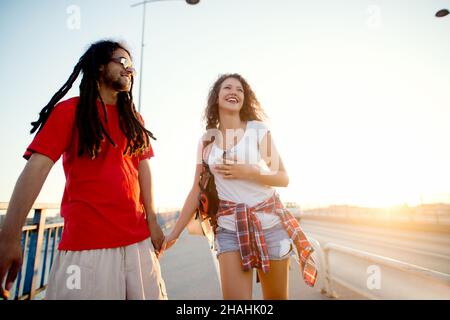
(242, 191)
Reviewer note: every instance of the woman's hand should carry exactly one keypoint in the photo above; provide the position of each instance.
(169, 241)
(232, 170)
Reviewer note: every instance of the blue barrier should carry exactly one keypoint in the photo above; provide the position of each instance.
(39, 244)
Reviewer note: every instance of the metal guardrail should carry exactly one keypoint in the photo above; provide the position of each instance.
(39, 245)
(323, 281)
(398, 280)
(420, 278)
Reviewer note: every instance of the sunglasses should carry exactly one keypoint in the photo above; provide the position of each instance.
(127, 64)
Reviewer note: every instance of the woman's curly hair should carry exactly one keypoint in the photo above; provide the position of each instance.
(251, 108)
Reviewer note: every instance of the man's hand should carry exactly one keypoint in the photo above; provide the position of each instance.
(157, 236)
(10, 263)
(25, 193)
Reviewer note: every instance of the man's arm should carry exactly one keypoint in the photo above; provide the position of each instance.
(146, 185)
(26, 190)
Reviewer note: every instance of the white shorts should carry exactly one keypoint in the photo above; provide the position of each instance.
(125, 273)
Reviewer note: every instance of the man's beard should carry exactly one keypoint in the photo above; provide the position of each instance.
(120, 85)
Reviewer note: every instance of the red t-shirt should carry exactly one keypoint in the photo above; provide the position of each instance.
(101, 204)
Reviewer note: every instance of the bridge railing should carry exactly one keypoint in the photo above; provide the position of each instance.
(376, 277)
(40, 241)
(39, 244)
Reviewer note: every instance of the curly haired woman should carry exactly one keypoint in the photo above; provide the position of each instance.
(254, 230)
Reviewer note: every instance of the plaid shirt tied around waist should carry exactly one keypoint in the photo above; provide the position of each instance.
(251, 240)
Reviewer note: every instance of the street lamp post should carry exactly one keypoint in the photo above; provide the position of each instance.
(143, 3)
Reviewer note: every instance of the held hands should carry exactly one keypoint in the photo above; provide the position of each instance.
(231, 170)
(169, 241)
(157, 236)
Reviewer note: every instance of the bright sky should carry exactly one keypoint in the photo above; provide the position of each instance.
(357, 91)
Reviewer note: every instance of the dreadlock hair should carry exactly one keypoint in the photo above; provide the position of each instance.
(91, 131)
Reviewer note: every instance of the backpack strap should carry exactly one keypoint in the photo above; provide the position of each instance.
(208, 226)
(206, 150)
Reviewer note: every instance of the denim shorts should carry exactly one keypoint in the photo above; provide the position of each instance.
(279, 245)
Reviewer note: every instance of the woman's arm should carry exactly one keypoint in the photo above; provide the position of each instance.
(188, 210)
(146, 185)
(276, 176)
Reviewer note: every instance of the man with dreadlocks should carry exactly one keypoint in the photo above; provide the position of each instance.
(111, 238)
